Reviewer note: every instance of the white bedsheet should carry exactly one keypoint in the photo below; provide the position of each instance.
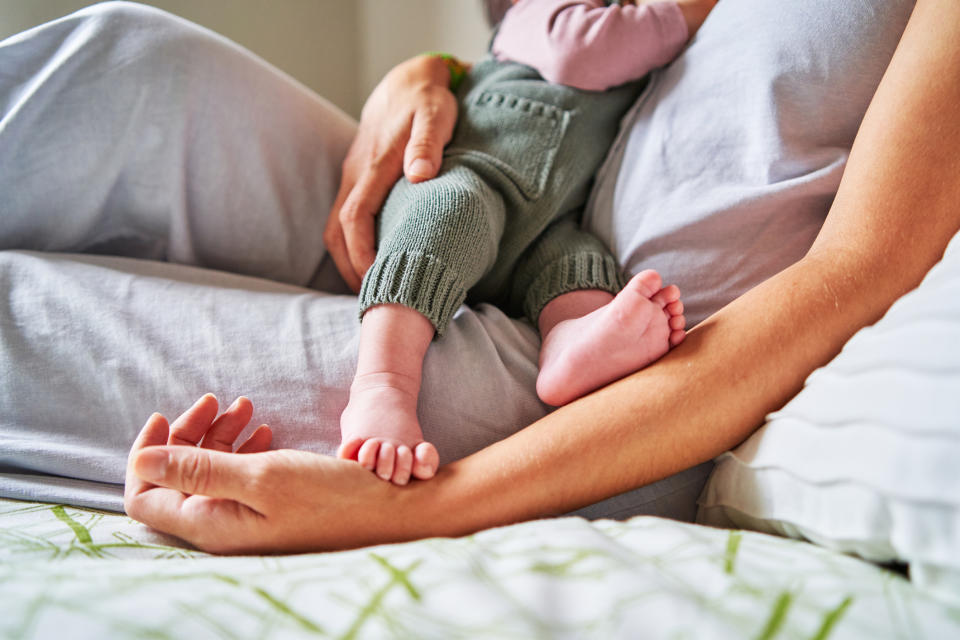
(101, 576)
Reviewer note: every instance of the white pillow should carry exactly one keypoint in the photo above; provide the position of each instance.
(866, 458)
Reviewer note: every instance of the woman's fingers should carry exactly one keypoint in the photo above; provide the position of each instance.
(333, 238)
(215, 525)
(194, 423)
(200, 426)
(359, 212)
(405, 124)
(160, 479)
(192, 470)
(368, 176)
(211, 498)
(258, 441)
(431, 130)
(225, 429)
(153, 433)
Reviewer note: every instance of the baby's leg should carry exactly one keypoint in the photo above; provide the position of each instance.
(591, 338)
(379, 427)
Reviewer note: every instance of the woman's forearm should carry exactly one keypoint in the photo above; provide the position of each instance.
(896, 209)
(704, 397)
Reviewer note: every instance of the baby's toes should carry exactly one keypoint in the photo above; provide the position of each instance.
(674, 308)
(386, 458)
(667, 296)
(426, 460)
(403, 465)
(677, 336)
(367, 455)
(349, 449)
(647, 283)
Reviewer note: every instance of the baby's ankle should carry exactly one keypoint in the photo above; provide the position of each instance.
(385, 380)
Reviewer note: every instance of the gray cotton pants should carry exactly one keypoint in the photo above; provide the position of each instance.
(163, 198)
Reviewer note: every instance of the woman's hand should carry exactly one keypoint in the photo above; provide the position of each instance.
(405, 123)
(196, 488)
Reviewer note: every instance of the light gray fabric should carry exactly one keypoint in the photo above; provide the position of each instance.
(728, 163)
(94, 344)
(127, 130)
(130, 132)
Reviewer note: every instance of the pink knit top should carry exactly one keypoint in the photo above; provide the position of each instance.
(589, 45)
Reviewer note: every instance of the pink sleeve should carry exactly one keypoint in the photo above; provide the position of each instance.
(589, 45)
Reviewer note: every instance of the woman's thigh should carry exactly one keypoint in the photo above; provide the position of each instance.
(128, 131)
(92, 345)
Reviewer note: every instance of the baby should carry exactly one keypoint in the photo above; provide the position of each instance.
(500, 223)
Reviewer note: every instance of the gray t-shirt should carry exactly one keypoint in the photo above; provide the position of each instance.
(726, 167)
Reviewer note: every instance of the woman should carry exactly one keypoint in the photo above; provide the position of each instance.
(708, 394)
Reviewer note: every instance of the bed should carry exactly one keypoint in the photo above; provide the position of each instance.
(888, 494)
(102, 575)
(856, 476)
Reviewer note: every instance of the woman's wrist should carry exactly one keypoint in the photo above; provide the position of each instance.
(447, 505)
(475, 493)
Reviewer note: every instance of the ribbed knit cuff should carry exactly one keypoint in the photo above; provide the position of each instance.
(572, 273)
(414, 280)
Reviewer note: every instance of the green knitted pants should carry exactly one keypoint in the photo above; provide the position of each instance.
(500, 223)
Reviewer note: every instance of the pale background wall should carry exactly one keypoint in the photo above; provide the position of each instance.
(340, 48)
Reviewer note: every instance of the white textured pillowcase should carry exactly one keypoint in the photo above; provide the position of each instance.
(866, 459)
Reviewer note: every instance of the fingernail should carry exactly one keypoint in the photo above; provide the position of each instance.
(152, 464)
(421, 168)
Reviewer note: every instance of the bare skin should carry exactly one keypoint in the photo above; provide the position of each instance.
(705, 396)
(694, 12)
(590, 338)
(379, 427)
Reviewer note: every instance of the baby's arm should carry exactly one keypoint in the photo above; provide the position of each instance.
(589, 45)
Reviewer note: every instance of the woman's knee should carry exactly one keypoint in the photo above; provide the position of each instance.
(132, 35)
(128, 18)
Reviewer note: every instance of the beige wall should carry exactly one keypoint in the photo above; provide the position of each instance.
(394, 30)
(340, 48)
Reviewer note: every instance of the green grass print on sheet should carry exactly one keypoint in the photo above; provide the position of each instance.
(104, 575)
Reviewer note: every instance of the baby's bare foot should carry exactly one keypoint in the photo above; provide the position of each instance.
(379, 429)
(637, 327)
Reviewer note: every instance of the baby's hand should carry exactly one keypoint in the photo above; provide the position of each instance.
(695, 12)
